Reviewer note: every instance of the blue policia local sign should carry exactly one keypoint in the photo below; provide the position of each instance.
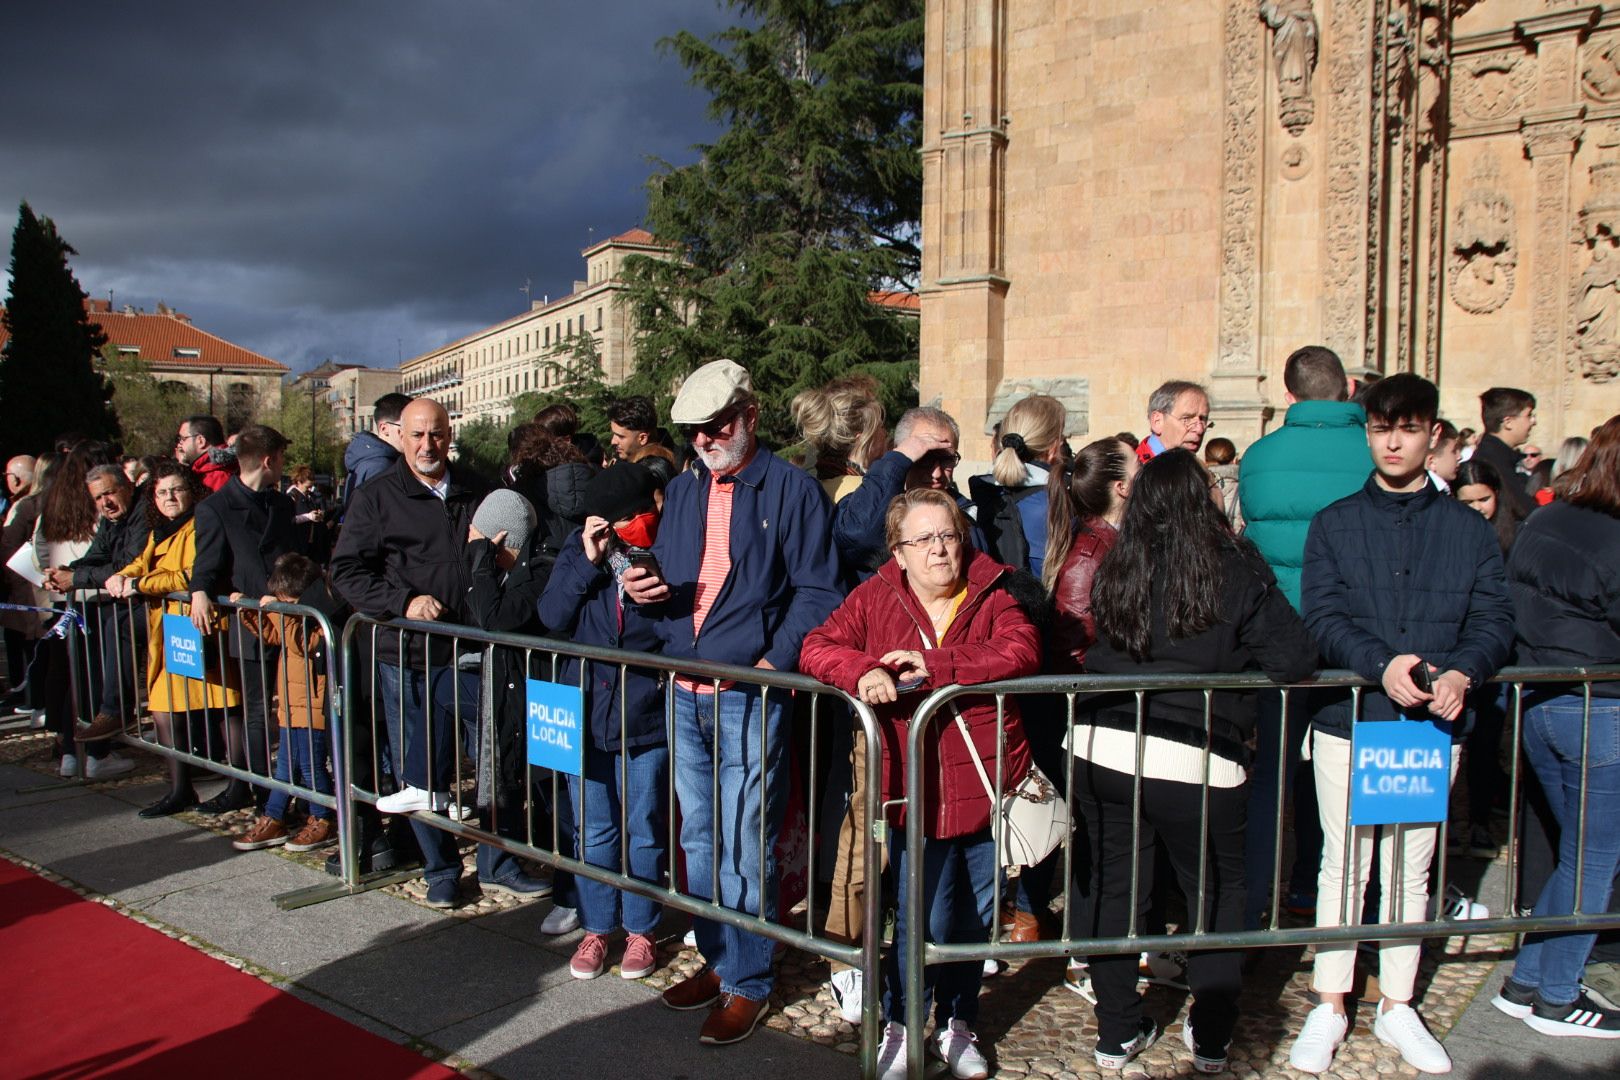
(182, 647)
(1400, 773)
(556, 726)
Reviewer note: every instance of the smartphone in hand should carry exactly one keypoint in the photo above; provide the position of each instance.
(1423, 676)
(646, 560)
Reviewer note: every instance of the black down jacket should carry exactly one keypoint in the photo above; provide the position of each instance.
(1564, 576)
(1387, 574)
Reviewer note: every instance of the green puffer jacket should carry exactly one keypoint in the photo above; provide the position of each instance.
(1317, 457)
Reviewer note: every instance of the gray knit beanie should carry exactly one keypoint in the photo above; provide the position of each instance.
(506, 511)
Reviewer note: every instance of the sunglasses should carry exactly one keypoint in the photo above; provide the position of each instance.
(714, 428)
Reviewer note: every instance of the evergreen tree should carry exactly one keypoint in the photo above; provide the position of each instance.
(806, 203)
(48, 384)
(575, 378)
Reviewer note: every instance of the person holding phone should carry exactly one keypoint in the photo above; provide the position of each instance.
(626, 757)
(1401, 586)
(938, 612)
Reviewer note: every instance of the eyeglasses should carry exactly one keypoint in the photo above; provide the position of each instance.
(714, 428)
(928, 540)
(940, 459)
(1193, 419)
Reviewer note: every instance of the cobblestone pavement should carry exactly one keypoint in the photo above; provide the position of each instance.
(1030, 1025)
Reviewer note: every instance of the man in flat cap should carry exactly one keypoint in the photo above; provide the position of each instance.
(748, 570)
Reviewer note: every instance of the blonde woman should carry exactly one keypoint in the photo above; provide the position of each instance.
(1012, 499)
(842, 423)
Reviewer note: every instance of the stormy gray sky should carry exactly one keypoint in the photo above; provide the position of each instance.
(353, 180)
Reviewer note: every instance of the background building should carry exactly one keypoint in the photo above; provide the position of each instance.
(479, 375)
(351, 390)
(1116, 193)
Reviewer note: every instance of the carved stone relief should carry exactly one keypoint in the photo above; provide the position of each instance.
(1349, 66)
(1294, 45)
(1596, 320)
(1240, 183)
(1494, 86)
(1600, 70)
(1484, 255)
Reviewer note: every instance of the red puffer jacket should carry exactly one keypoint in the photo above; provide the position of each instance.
(989, 639)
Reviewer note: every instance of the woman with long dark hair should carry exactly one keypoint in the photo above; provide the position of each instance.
(1178, 593)
(1085, 508)
(1564, 577)
(1479, 486)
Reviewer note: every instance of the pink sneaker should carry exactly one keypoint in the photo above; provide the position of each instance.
(640, 957)
(589, 958)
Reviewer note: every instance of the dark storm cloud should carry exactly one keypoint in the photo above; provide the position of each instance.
(357, 179)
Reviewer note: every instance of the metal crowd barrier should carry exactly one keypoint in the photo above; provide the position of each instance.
(542, 658)
(114, 652)
(1079, 691)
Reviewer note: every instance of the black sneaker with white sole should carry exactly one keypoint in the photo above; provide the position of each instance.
(1515, 999)
(1118, 1056)
(1582, 1017)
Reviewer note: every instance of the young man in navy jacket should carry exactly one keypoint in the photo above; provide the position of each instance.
(1395, 576)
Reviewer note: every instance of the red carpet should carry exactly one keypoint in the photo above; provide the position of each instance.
(86, 992)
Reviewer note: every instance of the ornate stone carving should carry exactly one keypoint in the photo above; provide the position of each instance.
(1346, 264)
(1596, 322)
(1240, 185)
(1600, 70)
(1494, 86)
(1294, 45)
(1483, 257)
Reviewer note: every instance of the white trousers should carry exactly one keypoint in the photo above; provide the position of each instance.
(1404, 852)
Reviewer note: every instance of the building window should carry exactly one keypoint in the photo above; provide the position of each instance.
(185, 354)
(599, 318)
(129, 350)
(548, 337)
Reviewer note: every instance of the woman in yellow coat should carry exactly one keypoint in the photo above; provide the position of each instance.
(165, 567)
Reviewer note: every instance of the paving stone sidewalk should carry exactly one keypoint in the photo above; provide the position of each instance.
(482, 989)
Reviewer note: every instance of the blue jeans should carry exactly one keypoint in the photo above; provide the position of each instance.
(407, 731)
(645, 774)
(958, 878)
(728, 831)
(301, 757)
(1552, 741)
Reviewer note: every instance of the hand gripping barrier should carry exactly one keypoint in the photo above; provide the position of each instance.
(1079, 697)
(120, 669)
(422, 689)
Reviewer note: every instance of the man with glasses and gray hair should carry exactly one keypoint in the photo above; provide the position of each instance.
(1178, 416)
(748, 569)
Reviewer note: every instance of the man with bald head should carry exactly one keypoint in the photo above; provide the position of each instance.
(402, 553)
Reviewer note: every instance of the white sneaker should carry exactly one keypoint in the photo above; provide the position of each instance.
(409, 800)
(955, 1046)
(1401, 1027)
(70, 765)
(1458, 905)
(105, 768)
(689, 939)
(1324, 1030)
(892, 1053)
(848, 993)
(991, 968)
(560, 920)
(1163, 969)
(1077, 979)
(36, 719)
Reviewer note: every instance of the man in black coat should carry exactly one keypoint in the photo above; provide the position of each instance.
(120, 536)
(1509, 416)
(242, 529)
(403, 553)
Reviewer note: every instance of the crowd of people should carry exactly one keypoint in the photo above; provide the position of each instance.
(1365, 533)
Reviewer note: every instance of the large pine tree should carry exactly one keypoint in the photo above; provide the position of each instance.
(807, 202)
(48, 385)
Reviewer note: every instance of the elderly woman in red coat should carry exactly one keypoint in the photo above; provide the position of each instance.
(935, 615)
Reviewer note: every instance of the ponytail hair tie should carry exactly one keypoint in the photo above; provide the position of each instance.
(1015, 443)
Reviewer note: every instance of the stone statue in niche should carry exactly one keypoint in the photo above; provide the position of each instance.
(1600, 70)
(1597, 293)
(1294, 40)
(1483, 258)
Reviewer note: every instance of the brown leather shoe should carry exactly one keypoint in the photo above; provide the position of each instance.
(732, 1020)
(698, 992)
(103, 726)
(1025, 927)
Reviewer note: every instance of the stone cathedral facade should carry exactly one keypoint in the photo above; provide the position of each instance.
(1117, 192)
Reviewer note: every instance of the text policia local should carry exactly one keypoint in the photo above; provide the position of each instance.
(1387, 771)
(552, 725)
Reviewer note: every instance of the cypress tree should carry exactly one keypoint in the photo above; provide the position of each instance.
(806, 203)
(48, 384)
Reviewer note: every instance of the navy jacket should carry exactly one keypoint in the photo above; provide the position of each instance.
(581, 602)
(1387, 574)
(1564, 577)
(784, 571)
(859, 517)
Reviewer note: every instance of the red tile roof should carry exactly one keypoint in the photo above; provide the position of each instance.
(159, 337)
(637, 236)
(904, 301)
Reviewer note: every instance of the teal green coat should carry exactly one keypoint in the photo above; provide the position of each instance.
(1317, 457)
